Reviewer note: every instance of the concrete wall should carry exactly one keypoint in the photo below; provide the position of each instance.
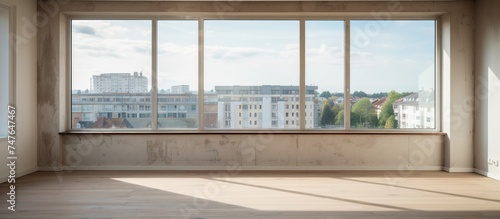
(253, 152)
(25, 89)
(285, 151)
(457, 55)
(487, 88)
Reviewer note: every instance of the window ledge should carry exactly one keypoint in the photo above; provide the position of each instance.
(232, 132)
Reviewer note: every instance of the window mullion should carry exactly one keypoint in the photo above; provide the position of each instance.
(437, 75)
(154, 74)
(347, 76)
(302, 82)
(201, 92)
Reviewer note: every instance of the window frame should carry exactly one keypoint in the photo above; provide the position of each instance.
(299, 16)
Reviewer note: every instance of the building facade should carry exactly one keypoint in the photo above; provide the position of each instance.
(119, 83)
(417, 110)
(229, 107)
(264, 107)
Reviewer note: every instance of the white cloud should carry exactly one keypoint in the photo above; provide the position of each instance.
(223, 52)
(325, 55)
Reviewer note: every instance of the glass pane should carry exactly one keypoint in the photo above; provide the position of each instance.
(393, 74)
(177, 74)
(325, 72)
(111, 73)
(251, 74)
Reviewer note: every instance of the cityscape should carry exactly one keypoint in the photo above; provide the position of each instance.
(122, 100)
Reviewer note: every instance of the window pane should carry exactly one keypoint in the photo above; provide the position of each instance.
(4, 70)
(178, 74)
(111, 73)
(393, 74)
(251, 74)
(325, 69)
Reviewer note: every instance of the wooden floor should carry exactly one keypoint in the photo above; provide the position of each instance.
(222, 194)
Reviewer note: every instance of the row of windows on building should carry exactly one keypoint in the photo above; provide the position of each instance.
(131, 99)
(88, 116)
(133, 107)
(415, 108)
(227, 107)
(273, 123)
(257, 92)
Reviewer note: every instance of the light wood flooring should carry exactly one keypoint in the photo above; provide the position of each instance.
(269, 194)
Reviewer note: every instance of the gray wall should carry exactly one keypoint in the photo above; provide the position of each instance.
(285, 151)
(487, 88)
(254, 152)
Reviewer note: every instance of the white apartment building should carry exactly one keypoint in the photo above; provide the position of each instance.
(119, 83)
(416, 110)
(180, 89)
(266, 106)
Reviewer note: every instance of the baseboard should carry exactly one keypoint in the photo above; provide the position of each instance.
(250, 168)
(20, 173)
(458, 170)
(487, 174)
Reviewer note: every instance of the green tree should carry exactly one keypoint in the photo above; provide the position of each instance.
(327, 116)
(387, 109)
(378, 95)
(336, 94)
(363, 113)
(359, 94)
(337, 108)
(393, 95)
(340, 118)
(385, 112)
(325, 94)
(404, 94)
(391, 123)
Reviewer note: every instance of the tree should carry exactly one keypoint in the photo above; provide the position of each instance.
(393, 95)
(337, 108)
(325, 94)
(327, 116)
(359, 94)
(391, 123)
(378, 95)
(387, 109)
(340, 118)
(404, 94)
(365, 113)
(336, 94)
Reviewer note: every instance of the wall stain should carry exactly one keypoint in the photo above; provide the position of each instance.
(47, 73)
(157, 151)
(44, 153)
(215, 156)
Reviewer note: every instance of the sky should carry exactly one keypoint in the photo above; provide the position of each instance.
(385, 55)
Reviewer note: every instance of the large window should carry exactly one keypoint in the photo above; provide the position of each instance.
(393, 74)
(252, 70)
(177, 74)
(111, 73)
(247, 74)
(4, 69)
(325, 69)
